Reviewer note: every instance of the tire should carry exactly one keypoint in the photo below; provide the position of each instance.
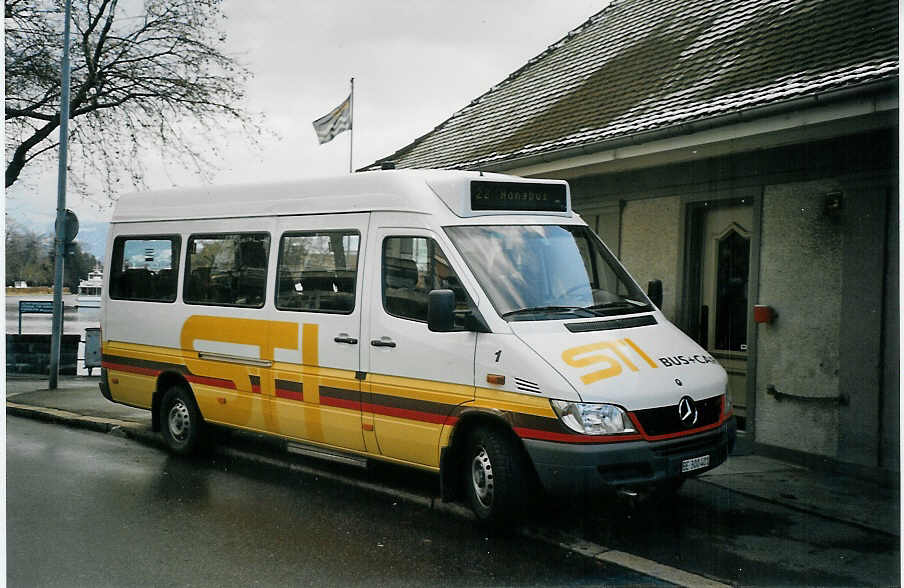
(494, 476)
(181, 421)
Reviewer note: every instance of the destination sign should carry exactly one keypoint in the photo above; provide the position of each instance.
(36, 306)
(518, 196)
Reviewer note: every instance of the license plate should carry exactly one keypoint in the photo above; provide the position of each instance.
(689, 465)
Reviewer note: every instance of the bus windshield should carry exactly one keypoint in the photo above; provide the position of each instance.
(544, 272)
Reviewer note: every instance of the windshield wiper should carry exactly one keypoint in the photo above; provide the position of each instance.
(626, 303)
(535, 309)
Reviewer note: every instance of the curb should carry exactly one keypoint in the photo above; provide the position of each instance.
(122, 428)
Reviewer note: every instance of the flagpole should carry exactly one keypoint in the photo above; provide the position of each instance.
(351, 122)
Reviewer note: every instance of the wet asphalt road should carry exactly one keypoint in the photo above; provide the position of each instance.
(91, 509)
(743, 541)
(86, 509)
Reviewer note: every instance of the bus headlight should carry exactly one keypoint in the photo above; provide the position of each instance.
(592, 419)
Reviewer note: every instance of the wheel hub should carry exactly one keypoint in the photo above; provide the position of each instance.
(482, 478)
(179, 421)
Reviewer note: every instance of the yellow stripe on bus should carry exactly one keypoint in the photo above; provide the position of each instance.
(512, 402)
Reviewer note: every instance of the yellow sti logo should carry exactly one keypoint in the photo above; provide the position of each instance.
(612, 355)
(267, 336)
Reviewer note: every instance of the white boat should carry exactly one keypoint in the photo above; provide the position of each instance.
(89, 290)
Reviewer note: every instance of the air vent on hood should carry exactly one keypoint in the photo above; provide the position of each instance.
(625, 323)
(526, 386)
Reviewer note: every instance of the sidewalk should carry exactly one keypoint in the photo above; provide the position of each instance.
(77, 402)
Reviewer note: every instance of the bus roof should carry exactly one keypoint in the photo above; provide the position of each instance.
(442, 192)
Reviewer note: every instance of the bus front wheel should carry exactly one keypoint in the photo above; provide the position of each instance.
(493, 476)
(181, 419)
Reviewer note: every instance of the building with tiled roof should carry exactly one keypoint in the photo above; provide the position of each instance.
(648, 69)
(744, 153)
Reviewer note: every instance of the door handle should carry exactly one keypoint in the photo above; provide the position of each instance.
(345, 339)
(382, 343)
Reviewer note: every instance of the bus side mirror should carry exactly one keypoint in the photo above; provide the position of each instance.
(441, 311)
(654, 292)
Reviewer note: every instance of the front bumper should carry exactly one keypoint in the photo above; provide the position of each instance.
(569, 469)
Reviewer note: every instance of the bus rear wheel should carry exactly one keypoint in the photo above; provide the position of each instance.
(181, 420)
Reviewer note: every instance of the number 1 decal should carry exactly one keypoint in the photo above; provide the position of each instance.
(498, 354)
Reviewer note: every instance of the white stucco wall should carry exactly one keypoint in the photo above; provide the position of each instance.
(801, 277)
(649, 245)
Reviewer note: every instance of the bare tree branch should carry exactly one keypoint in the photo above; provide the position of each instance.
(37, 153)
(153, 81)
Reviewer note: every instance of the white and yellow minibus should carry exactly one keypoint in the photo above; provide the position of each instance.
(464, 323)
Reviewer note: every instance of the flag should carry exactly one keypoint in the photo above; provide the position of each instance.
(336, 121)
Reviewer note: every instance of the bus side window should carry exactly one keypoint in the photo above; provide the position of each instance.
(143, 268)
(316, 271)
(227, 269)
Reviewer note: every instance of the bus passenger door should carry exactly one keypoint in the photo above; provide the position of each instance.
(316, 395)
(415, 377)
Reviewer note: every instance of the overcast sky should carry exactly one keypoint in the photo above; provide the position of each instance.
(415, 62)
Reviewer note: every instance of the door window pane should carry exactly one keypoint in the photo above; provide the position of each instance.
(731, 292)
(227, 269)
(317, 271)
(412, 267)
(145, 268)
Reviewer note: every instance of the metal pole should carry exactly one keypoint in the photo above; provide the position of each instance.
(351, 124)
(59, 243)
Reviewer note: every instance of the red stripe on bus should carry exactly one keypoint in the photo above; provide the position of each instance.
(683, 433)
(130, 368)
(289, 394)
(567, 438)
(208, 381)
(340, 402)
(412, 415)
(404, 413)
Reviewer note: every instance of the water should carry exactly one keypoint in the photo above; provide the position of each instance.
(75, 320)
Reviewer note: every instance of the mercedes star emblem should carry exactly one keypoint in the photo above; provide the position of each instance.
(687, 412)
